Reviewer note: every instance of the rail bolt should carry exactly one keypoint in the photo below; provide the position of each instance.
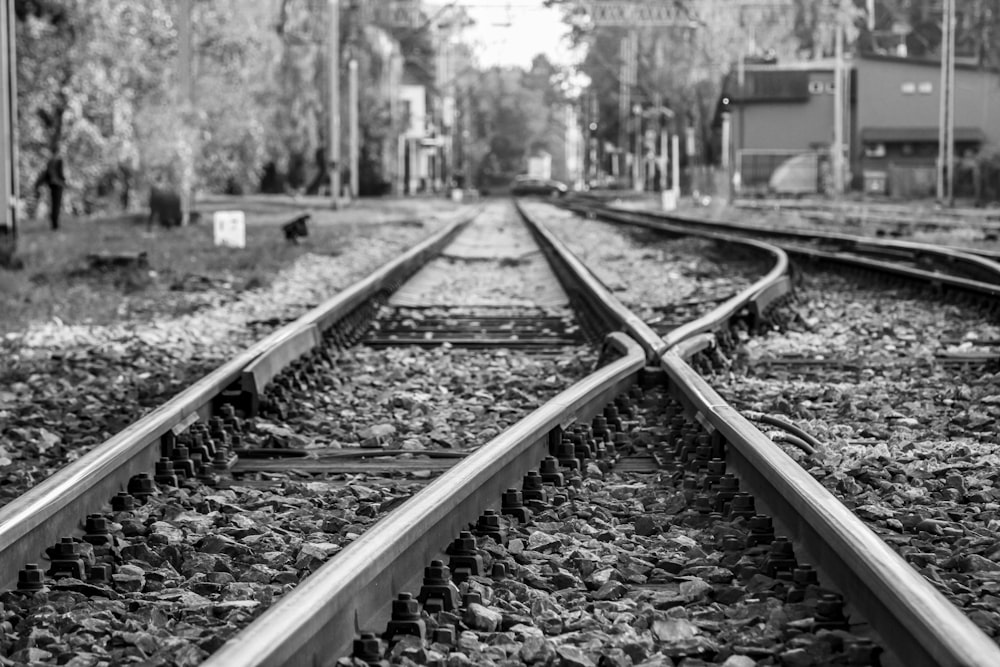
(100, 573)
(702, 455)
(141, 486)
(30, 579)
(781, 559)
(472, 597)
(123, 502)
(742, 505)
(489, 525)
(368, 649)
(600, 426)
(703, 504)
(549, 470)
(96, 530)
(761, 530)
(727, 489)
(803, 577)
(182, 462)
(438, 592)
(165, 473)
(716, 469)
(512, 504)
(66, 560)
(533, 489)
(862, 651)
(830, 613)
(566, 453)
(464, 560)
(405, 619)
(445, 634)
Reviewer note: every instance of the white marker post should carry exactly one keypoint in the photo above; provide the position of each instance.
(230, 229)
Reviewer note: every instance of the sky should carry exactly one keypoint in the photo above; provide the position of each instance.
(512, 32)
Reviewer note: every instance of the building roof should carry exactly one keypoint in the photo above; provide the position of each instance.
(924, 62)
(918, 134)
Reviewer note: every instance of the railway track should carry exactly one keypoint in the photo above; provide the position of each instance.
(966, 272)
(357, 590)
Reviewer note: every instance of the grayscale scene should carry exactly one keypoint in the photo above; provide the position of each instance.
(461, 333)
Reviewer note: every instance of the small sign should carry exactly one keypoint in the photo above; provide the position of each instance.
(230, 229)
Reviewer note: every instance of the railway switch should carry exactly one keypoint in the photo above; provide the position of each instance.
(405, 619)
(438, 592)
(30, 579)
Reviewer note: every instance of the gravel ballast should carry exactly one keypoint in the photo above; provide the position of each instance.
(68, 388)
(908, 433)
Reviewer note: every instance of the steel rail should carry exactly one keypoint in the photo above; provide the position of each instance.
(56, 507)
(918, 624)
(774, 285)
(571, 270)
(982, 263)
(316, 623)
(939, 280)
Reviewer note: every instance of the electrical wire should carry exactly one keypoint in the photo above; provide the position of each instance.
(788, 427)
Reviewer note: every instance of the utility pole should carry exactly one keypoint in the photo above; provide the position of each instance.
(946, 130)
(838, 102)
(333, 129)
(355, 141)
(8, 135)
(185, 99)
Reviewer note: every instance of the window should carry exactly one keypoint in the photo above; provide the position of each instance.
(908, 88)
(925, 88)
(875, 150)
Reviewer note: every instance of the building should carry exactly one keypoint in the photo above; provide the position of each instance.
(897, 116)
(780, 115)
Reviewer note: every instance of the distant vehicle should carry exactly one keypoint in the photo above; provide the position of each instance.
(526, 185)
(798, 175)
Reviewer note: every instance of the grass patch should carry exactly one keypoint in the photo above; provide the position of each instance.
(58, 282)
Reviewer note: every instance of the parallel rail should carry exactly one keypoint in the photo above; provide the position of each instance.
(56, 507)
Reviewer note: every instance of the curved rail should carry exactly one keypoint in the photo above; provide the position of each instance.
(913, 619)
(983, 264)
(56, 507)
(774, 285)
(315, 623)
